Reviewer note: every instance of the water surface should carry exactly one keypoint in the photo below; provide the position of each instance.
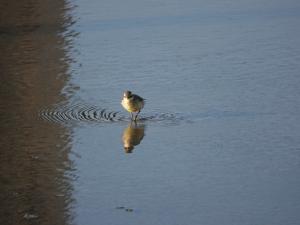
(218, 139)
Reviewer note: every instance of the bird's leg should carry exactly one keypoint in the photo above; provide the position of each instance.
(131, 116)
(137, 115)
(133, 123)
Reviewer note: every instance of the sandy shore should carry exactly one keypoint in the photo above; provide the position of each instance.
(33, 67)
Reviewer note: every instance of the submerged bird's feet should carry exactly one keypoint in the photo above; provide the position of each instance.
(137, 115)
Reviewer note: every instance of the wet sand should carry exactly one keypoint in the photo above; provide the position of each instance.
(34, 155)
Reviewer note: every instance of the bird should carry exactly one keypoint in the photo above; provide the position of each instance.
(132, 103)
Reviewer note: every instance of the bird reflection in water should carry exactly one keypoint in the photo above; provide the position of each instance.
(133, 136)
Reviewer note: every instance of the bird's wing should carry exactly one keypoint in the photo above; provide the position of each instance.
(136, 97)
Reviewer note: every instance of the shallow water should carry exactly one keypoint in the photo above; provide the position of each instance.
(217, 141)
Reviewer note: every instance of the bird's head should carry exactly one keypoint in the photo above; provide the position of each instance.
(127, 94)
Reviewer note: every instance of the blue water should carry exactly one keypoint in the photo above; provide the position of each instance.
(231, 71)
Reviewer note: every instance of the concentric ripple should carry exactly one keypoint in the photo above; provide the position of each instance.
(79, 112)
(64, 113)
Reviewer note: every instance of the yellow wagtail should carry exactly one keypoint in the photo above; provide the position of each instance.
(132, 103)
